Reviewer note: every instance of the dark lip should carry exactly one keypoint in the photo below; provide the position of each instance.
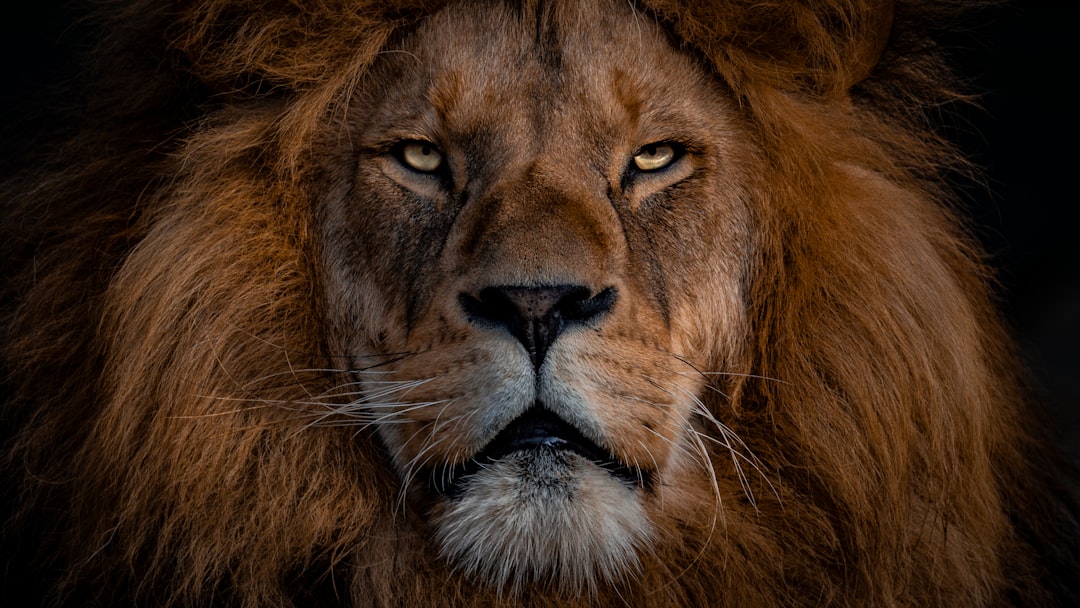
(537, 429)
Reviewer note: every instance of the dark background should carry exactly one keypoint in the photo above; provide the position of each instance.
(1024, 60)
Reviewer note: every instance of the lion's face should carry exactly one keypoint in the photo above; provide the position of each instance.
(540, 230)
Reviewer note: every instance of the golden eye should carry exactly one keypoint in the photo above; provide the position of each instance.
(654, 157)
(421, 156)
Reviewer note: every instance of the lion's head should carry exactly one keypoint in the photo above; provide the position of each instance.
(551, 303)
(535, 259)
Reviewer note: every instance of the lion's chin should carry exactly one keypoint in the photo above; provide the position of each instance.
(544, 515)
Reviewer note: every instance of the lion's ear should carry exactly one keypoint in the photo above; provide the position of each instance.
(822, 47)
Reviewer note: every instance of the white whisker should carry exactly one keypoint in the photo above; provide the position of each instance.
(733, 374)
(736, 447)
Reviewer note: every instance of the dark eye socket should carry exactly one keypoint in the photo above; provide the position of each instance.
(420, 156)
(657, 156)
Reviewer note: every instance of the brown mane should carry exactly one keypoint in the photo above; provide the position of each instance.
(162, 331)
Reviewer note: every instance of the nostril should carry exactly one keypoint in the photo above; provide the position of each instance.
(536, 315)
(581, 306)
(492, 304)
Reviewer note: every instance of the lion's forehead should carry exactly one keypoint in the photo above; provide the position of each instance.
(587, 78)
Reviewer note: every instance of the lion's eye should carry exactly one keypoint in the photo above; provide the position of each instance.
(420, 156)
(654, 157)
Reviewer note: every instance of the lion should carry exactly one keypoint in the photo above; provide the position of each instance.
(538, 303)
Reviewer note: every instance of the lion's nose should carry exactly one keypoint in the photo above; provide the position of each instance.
(537, 315)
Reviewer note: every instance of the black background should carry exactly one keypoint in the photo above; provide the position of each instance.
(1024, 62)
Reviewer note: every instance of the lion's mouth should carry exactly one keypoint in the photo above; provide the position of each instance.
(536, 430)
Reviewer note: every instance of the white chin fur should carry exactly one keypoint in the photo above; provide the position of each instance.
(544, 516)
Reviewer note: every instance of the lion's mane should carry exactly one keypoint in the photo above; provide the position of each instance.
(162, 324)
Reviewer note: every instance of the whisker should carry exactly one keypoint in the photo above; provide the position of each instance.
(395, 410)
(674, 444)
(736, 447)
(413, 467)
(738, 375)
(696, 370)
(232, 412)
(392, 360)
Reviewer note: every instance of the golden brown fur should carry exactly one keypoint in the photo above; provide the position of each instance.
(183, 327)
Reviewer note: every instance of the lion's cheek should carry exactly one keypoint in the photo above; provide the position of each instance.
(452, 401)
(706, 287)
(544, 514)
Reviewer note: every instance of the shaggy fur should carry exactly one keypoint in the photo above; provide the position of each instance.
(164, 323)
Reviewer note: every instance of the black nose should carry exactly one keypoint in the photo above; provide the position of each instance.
(537, 315)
